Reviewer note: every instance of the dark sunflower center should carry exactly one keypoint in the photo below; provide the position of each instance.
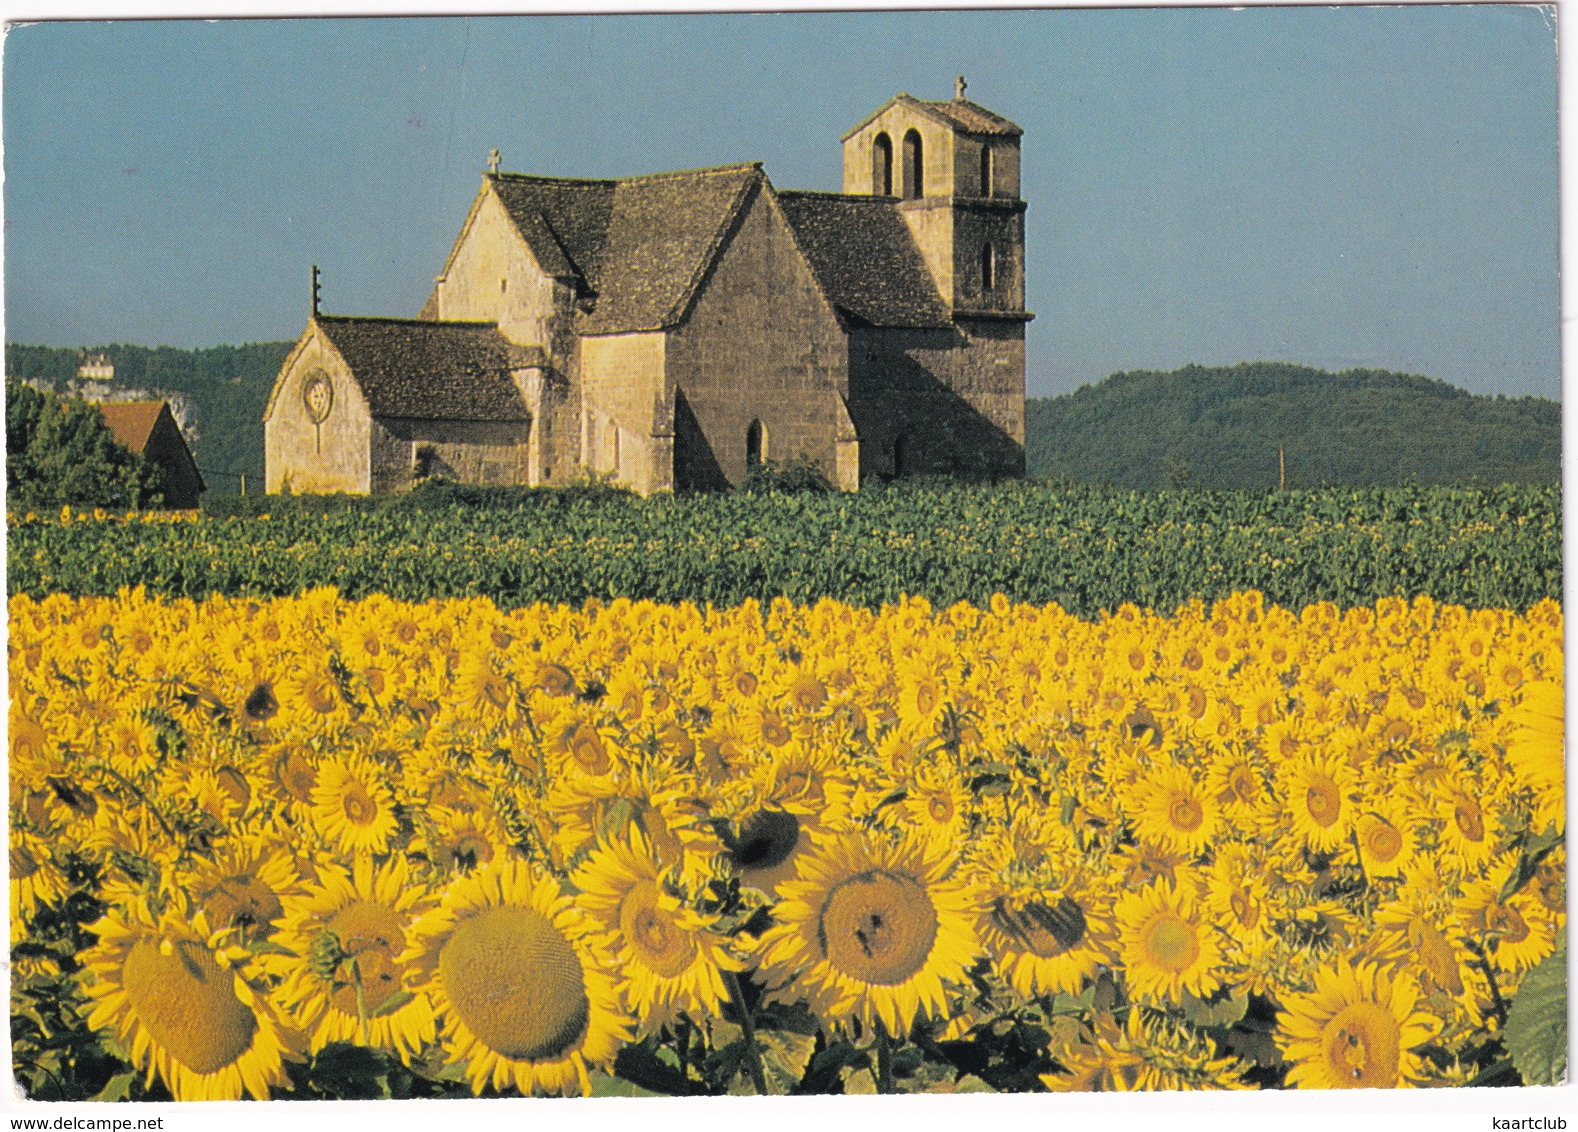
(878, 927)
(1186, 814)
(244, 902)
(23, 863)
(766, 840)
(1170, 942)
(261, 704)
(1322, 800)
(516, 983)
(1470, 820)
(1362, 1044)
(295, 776)
(187, 1004)
(586, 747)
(1383, 842)
(663, 947)
(360, 809)
(371, 935)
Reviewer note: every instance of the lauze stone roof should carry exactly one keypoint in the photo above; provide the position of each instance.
(642, 245)
(426, 370)
(863, 255)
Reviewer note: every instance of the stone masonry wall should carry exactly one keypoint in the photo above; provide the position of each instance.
(326, 457)
(761, 344)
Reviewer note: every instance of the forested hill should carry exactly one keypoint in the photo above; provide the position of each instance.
(1221, 427)
(225, 389)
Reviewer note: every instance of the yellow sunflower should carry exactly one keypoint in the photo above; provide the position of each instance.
(1386, 845)
(672, 963)
(872, 931)
(1316, 790)
(1536, 749)
(242, 889)
(351, 808)
(1176, 811)
(525, 998)
(1166, 949)
(183, 1007)
(1358, 1029)
(344, 981)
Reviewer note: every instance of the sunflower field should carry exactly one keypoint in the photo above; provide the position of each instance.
(317, 847)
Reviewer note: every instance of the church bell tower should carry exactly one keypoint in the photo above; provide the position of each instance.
(952, 168)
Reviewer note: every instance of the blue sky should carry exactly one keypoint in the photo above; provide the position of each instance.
(1337, 187)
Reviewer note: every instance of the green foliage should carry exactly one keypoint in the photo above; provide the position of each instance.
(59, 451)
(798, 478)
(229, 385)
(1221, 428)
(1087, 549)
(1536, 1033)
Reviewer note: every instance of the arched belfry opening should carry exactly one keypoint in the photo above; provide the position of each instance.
(988, 267)
(755, 445)
(914, 166)
(882, 166)
(986, 171)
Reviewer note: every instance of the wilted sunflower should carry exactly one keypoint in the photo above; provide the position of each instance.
(1166, 947)
(525, 999)
(1358, 1029)
(344, 981)
(671, 962)
(1044, 942)
(872, 931)
(183, 1007)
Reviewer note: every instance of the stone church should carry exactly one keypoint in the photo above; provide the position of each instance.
(670, 331)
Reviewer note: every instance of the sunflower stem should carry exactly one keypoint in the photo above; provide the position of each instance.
(884, 1061)
(1482, 961)
(753, 1054)
(361, 1001)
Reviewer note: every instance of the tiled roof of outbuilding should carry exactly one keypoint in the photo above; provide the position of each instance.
(865, 258)
(428, 370)
(131, 422)
(640, 244)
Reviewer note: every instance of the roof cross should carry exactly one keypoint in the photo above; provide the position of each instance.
(958, 87)
(493, 161)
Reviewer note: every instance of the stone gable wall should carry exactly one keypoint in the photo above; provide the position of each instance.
(761, 343)
(327, 457)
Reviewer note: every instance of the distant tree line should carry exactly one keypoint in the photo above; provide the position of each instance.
(1225, 427)
(227, 386)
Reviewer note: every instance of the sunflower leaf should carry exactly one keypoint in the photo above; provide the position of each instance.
(392, 1003)
(1536, 1033)
(117, 1088)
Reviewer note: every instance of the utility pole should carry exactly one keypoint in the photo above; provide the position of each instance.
(1282, 470)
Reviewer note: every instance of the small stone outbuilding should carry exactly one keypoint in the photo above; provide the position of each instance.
(148, 428)
(670, 331)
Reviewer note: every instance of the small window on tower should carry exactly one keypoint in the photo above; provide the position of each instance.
(986, 171)
(914, 167)
(504, 285)
(988, 267)
(882, 166)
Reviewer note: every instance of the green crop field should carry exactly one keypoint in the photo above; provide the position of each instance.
(1086, 549)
